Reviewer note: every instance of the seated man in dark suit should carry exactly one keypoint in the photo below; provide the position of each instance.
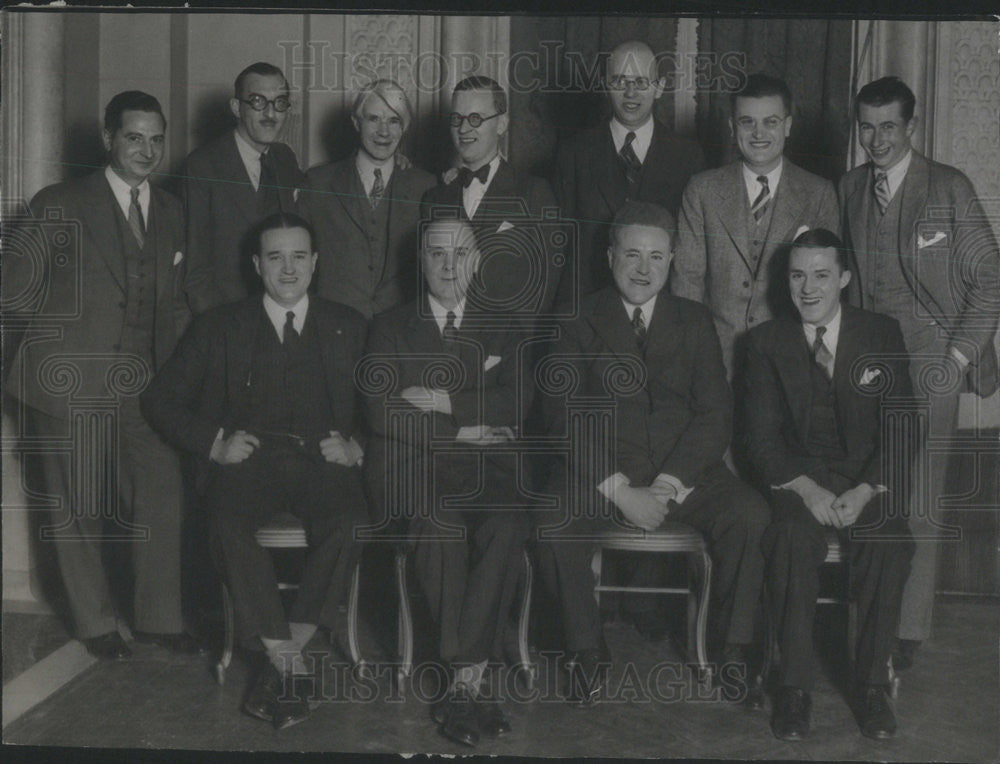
(634, 157)
(262, 391)
(234, 181)
(519, 272)
(366, 208)
(450, 447)
(816, 432)
(655, 361)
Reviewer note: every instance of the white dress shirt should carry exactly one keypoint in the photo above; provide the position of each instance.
(123, 194)
(643, 137)
(440, 312)
(473, 195)
(896, 174)
(366, 171)
(251, 159)
(277, 314)
(754, 186)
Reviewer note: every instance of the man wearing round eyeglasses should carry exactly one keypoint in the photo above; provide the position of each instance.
(519, 271)
(631, 157)
(733, 219)
(234, 181)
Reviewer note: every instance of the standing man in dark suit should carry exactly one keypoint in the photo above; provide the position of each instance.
(672, 422)
(519, 272)
(635, 158)
(118, 293)
(925, 254)
(735, 218)
(816, 432)
(452, 445)
(366, 208)
(262, 392)
(234, 182)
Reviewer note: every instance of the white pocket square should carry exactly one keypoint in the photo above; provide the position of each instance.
(504, 226)
(295, 194)
(868, 376)
(178, 256)
(490, 362)
(922, 242)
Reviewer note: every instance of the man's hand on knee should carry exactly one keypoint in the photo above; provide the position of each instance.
(234, 449)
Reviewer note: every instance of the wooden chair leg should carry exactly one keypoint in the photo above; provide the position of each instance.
(526, 665)
(404, 623)
(703, 603)
(595, 566)
(229, 637)
(353, 644)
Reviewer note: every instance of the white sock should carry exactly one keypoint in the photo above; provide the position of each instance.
(284, 655)
(301, 633)
(470, 675)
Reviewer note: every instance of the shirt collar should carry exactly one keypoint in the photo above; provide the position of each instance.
(494, 166)
(832, 334)
(643, 136)
(366, 169)
(646, 308)
(123, 192)
(440, 312)
(277, 313)
(897, 173)
(753, 187)
(250, 156)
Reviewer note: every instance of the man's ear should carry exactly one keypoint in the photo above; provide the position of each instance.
(732, 128)
(788, 125)
(659, 85)
(256, 263)
(911, 126)
(234, 107)
(845, 279)
(502, 124)
(106, 139)
(356, 123)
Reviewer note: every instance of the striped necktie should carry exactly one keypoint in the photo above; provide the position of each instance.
(821, 354)
(135, 220)
(759, 206)
(378, 189)
(633, 167)
(639, 327)
(882, 197)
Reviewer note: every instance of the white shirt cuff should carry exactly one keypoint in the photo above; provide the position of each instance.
(678, 486)
(611, 484)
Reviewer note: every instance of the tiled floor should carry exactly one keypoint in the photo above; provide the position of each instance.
(27, 639)
(947, 709)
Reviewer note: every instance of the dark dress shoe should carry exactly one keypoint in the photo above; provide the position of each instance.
(875, 716)
(182, 643)
(263, 696)
(294, 708)
(108, 647)
(904, 654)
(738, 678)
(650, 624)
(461, 718)
(792, 708)
(492, 722)
(588, 674)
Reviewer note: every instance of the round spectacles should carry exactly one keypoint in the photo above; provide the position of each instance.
(259, 103)
(620, 82)
(475, 120)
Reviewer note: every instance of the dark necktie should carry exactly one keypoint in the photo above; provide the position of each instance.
(450, 334)
(882, 197)
(378, 189)
(821, 355)
(289, 336)
(268, 197)
(465, 175)
(135, 221)
(633, 167)
(639, 327)
(760, 203)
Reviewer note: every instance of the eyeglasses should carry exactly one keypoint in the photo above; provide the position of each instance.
(259, 103)
(620, 82)
(475, 120)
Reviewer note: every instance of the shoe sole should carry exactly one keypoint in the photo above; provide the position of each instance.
(258, 714)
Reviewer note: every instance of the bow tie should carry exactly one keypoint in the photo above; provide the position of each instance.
(466, 175)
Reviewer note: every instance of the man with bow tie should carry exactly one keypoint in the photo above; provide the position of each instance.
(520, 269)
(817, 434)
(924, 254)
(262, 393)
(735, 219)
(366, 208)
(633, 156)
(445, 397)
(232, 183)
(655, 361)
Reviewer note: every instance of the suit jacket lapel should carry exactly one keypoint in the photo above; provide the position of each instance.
(241, 346)
(735, 210)
(661, 337)
(155, 227)
(793, 361)
(607, 172)
(102, 224)
(848, 350)
(912, 206)
(859, 205)
(346, 186)
(232, 170)
(612, 323)
(789, 202)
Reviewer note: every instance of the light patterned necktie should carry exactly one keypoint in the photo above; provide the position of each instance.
(135, 220)
(821, 354)
(882, 191)
(759, 206)
(633, 167)
(639, 327)
(378, 189)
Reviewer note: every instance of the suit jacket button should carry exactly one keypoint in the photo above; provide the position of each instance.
(122, 305)
(751, 319)
(746, 284)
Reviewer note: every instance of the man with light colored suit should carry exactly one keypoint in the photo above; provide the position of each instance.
(365, 209)
(232, 183)
(734, 219)
(100, 312)
(924, 254)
